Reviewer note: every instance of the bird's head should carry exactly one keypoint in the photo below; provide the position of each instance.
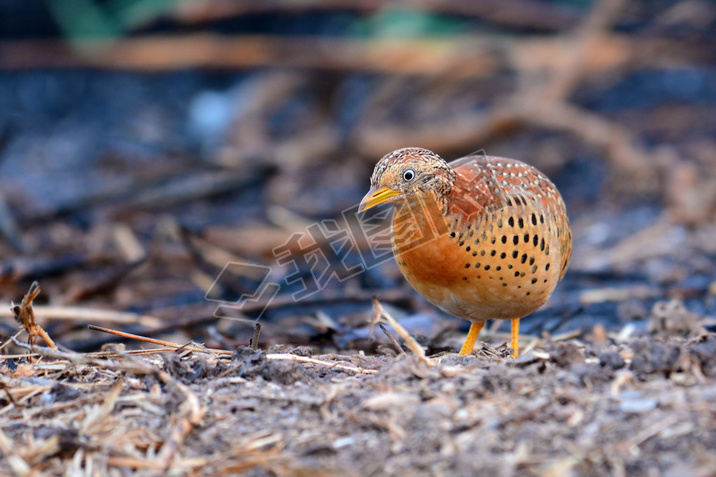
(408, 173)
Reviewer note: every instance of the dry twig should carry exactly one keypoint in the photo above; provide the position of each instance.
(391, 338)
(194, 348)
(304, 359)
(76, 313)
(190, 412)
(175, 346)
(18, 465)
(189, 416)
(414, 346)
(255, 338)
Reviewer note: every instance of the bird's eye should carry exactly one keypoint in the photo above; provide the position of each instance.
(408, 175)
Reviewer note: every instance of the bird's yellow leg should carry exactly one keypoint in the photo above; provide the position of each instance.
(475, 328)
(515, 337)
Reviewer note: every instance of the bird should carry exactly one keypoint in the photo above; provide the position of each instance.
(481, 237)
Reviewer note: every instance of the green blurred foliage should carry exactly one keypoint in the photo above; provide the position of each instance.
(85, 19)
(408, 24)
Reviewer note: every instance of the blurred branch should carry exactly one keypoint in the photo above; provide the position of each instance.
(596, 25)
(455, 58)
(542, 100)
(516, 13)
(516, 112)
(160, 53)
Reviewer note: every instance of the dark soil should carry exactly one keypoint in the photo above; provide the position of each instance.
(575, 409)
(565, 408)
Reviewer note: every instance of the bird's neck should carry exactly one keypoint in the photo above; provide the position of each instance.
(419, 218)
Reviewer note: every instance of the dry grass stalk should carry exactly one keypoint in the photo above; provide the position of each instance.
(183, 421)
(175, 346)
(97, 416)
(137, 463)
(190, 414)
(391, 338)
(18, 465)
(414, 346)
(257, 334)
(8, 341)
(304, 359)
(93, 358)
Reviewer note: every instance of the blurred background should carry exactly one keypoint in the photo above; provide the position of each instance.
(145, 144)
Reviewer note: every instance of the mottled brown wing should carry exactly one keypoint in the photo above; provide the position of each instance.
(487, 184)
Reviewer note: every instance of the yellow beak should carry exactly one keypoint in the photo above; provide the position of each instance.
(375, 197)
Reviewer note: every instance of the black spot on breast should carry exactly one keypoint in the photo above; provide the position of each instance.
(503, 255)
(526, 237)
(504, 239)
(474, 254)
(515, 239)
(477, 265)
(498, 268)
(464, 278)
(521, 223)
(493, 253)
(534, 219)
(452, 234)
(523, 259)
(515, 253)
(482, 253)
(467, 249)
(511, 221)
(541, 244)
(535, 240)
(467, 265)
(499, 223)
(462, 242)
(546, 267)
(534, 280)
(532, 260)
(487, 267)
(534, 269)
(546, 250)
(504, 284)
(517, 274)
(527, 294)
(541, 219)
(493, 240)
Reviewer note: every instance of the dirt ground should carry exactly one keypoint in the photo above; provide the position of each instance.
(644, 406)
